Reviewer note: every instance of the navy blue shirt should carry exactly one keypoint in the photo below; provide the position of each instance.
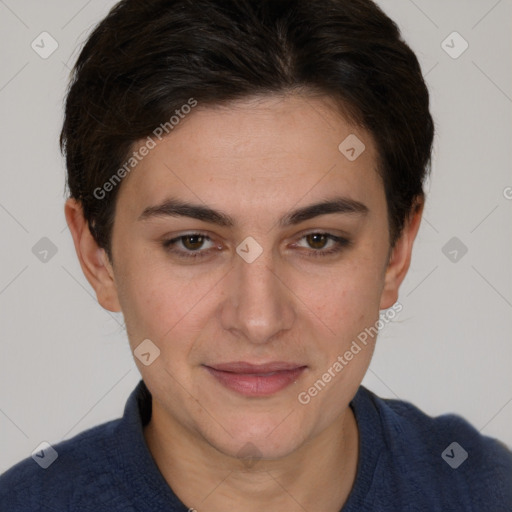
(408, 461)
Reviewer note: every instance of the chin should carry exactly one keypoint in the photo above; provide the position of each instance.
(259, 439)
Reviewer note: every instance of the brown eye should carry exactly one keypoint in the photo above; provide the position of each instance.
(193, 246)
(317, 240)
(192, 242)
(323, 244)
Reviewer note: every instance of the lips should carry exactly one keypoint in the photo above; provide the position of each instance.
(256, 380)
(246, 368)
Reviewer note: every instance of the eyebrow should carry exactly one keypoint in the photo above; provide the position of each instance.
(177, 208)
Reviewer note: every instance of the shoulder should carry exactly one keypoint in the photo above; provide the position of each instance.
(58, 474)
(444, 458)
(407, 422)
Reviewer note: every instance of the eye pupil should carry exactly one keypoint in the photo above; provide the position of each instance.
(317, 240)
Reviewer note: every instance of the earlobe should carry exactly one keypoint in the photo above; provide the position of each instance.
(93, 260)
(400, 258)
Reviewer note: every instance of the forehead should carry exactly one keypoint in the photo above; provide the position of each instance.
(285, 148)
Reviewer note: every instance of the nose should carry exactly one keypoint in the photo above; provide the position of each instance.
(259, 304)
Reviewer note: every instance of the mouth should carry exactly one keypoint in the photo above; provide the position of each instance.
(256, 380)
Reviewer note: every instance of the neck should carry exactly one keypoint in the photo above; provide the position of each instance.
(317, 476)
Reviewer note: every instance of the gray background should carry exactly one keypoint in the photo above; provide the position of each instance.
(65, 363)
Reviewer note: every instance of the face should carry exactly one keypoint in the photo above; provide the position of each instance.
(252, 253)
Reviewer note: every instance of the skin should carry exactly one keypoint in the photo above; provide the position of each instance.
(256, 160)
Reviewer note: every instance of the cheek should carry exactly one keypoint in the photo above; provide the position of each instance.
(158, 302)
(348, 305)
(345, 300)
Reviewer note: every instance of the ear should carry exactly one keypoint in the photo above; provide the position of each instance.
(400, 258)
(93, 259)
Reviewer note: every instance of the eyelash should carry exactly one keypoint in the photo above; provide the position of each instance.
(340, 244)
